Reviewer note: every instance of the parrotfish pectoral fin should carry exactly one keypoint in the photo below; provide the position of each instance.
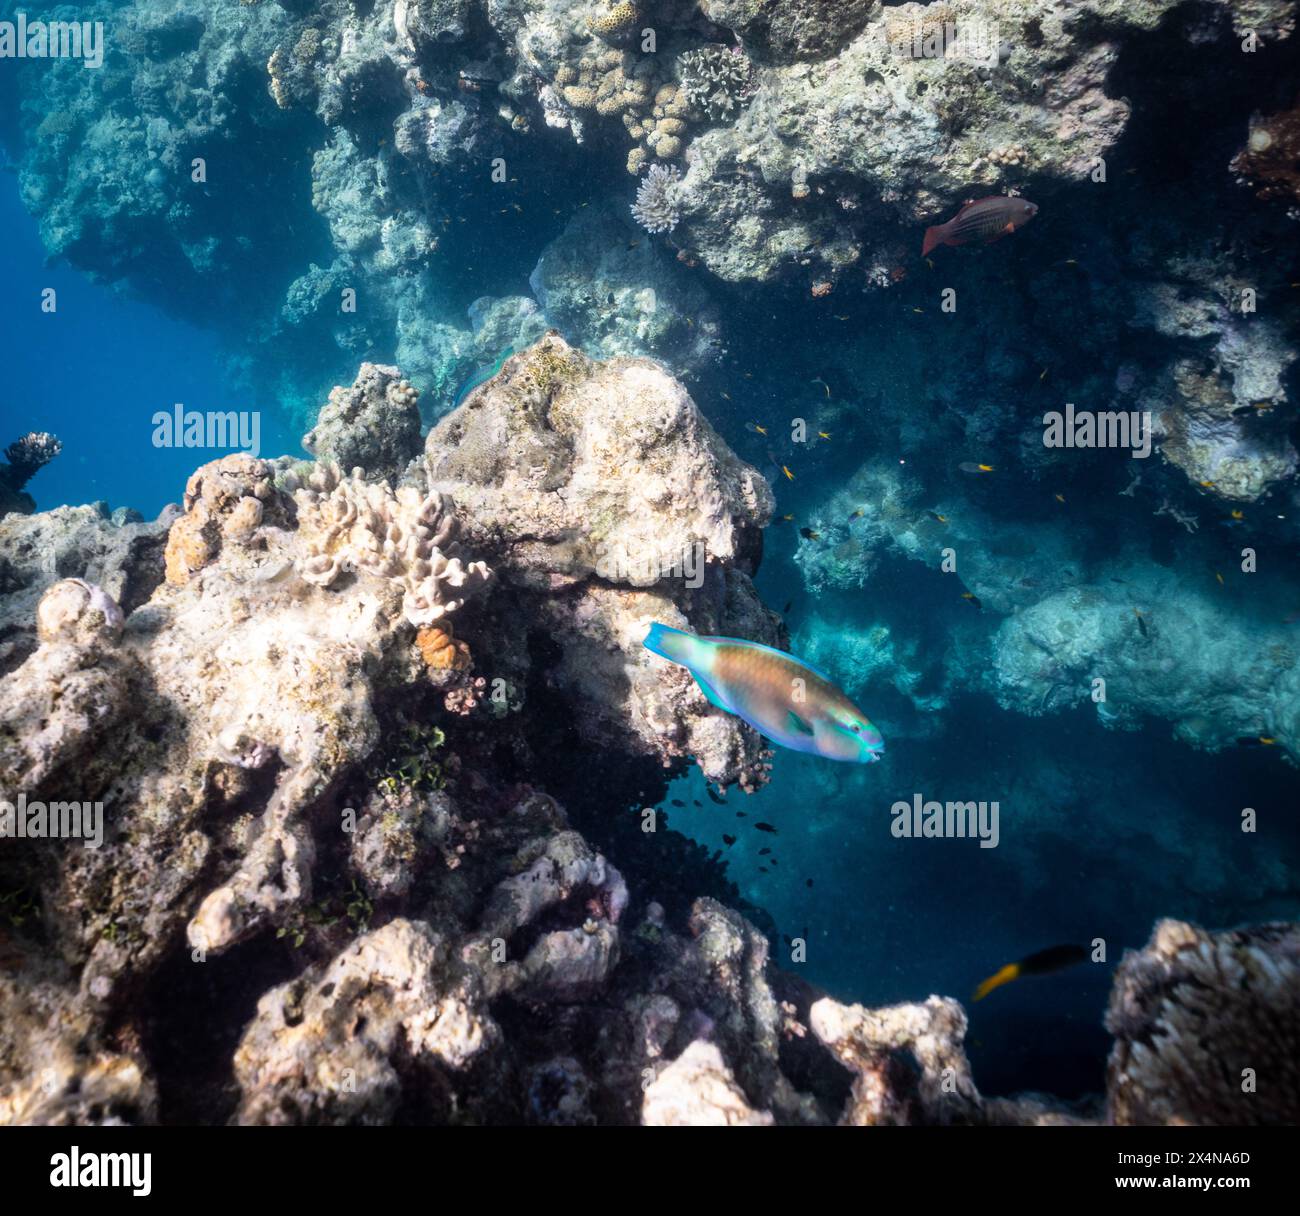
(709, 691)
(799, 725)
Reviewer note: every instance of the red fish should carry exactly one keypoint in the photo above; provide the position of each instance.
(983, 219)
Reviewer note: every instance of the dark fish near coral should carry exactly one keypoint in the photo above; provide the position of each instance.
(808, 882)
(984, 219)
(728, 840)
(1256, 741)
(765, 827)
(971, 598)
(1142, 625)
(764, 852)
(809, 534)
(678, 802)
(715, 796)
(788, 606)
(1054, 958)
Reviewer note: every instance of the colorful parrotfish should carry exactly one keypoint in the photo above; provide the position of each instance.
(780, 696)
(482, 376)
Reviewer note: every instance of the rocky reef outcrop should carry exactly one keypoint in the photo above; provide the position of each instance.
(1198, 1019)
(297, 705)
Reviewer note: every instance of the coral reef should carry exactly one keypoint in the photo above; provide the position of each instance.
(24, 457)
(408, 538)
(1205, 1027)
(611, 292)
(1267, 162)
(305, 802)
(601, 495)
(658, 200)
(715, 80)
(373, 424)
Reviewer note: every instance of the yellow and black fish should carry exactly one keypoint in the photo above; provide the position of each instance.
(1043, 962)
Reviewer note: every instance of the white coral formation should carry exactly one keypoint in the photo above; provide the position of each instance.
(658, 199)
(77, 611)
(328, 1051)
(716, 79)
(405, 537)
(607, 479)
(698, 1090)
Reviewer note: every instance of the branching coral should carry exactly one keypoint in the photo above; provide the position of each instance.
(408, 538)
(26, 456)
(716, 80)
(657, 207)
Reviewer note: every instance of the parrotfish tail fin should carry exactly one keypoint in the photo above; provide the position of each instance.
(675, 645)
(934, 236)
(1008, 973)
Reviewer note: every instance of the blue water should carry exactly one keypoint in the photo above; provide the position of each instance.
(95, 371)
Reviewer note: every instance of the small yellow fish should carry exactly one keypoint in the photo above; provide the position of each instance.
(1238, 514)
(986, 468)
(939, 519)
(788, 474)
(1219, 577)
(1267, 740)
(1043, 374)
(824, 434)
(785, 519)
(762, 430)
(918, 310)
(1209, 484)
(1059, 497)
